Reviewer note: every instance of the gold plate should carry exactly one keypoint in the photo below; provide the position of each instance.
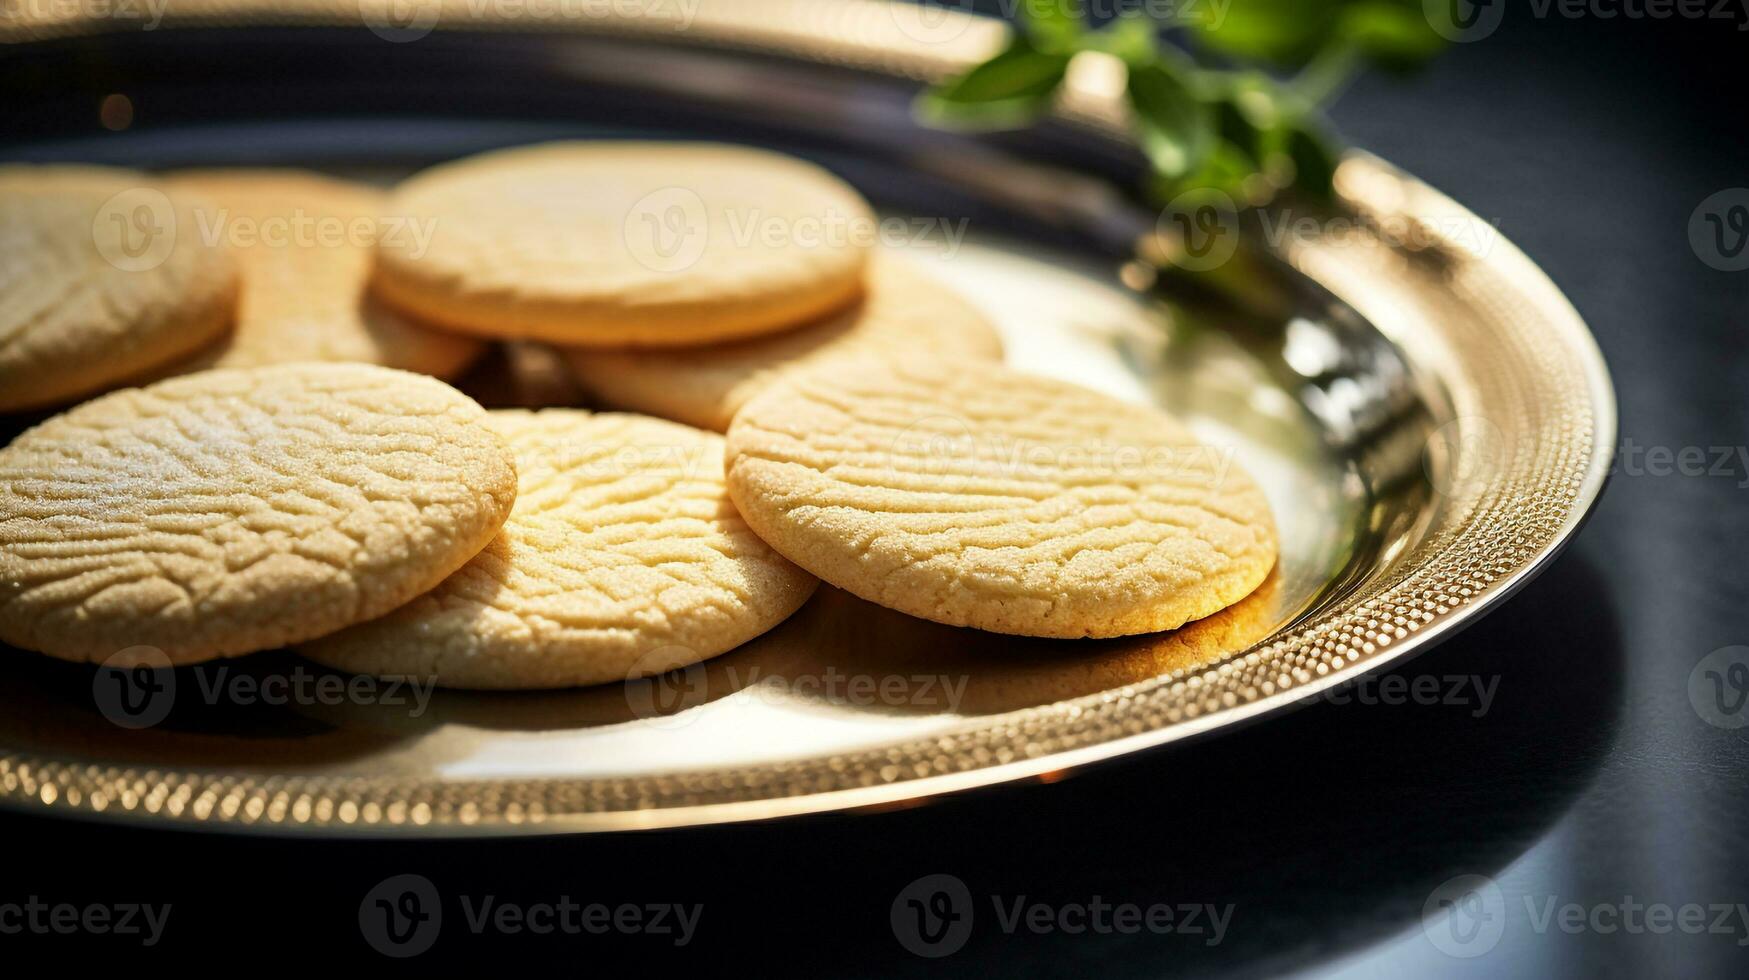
(1428, 414)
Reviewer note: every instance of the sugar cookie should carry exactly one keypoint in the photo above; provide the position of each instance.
(224, 512)
(103, 278)
(616, 244)
(624, 557)
(306, 244)
(974, 495)
(905, 311)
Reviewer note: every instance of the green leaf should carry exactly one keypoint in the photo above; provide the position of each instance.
(1290, 33)
(1390, 34)
(1054, 25)
(1225, 170)
(1284, 32)
(1132, 38)
(1010, 90)
(1175, 128)
(1240, 132)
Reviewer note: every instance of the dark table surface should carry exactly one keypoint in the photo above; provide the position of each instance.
(1590, 779)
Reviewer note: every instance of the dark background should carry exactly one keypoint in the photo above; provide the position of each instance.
(1590, 779)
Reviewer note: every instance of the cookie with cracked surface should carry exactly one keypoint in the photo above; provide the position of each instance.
(975, 495)
(904, 311)
(623, 558)
(220, 513)
(627, 244)
(306, 245)
(106, 280)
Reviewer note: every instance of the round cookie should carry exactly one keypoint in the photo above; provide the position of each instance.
(904, 311)
(974, 495)
(225, 512)
(306, 245)
(623, 558)
(107, 278)
(627, 244)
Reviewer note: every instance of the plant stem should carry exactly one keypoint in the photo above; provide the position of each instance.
(1328, 73)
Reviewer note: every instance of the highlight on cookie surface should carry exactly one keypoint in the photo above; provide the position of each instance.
(225, 512)
(306, 245)
(904, 310)
(627, 244)
(106, 279)
(623, 557)
(975, 495)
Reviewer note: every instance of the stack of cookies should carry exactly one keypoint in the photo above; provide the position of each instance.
(269, 458)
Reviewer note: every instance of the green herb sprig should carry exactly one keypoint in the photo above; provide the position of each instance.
(1237, 108)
